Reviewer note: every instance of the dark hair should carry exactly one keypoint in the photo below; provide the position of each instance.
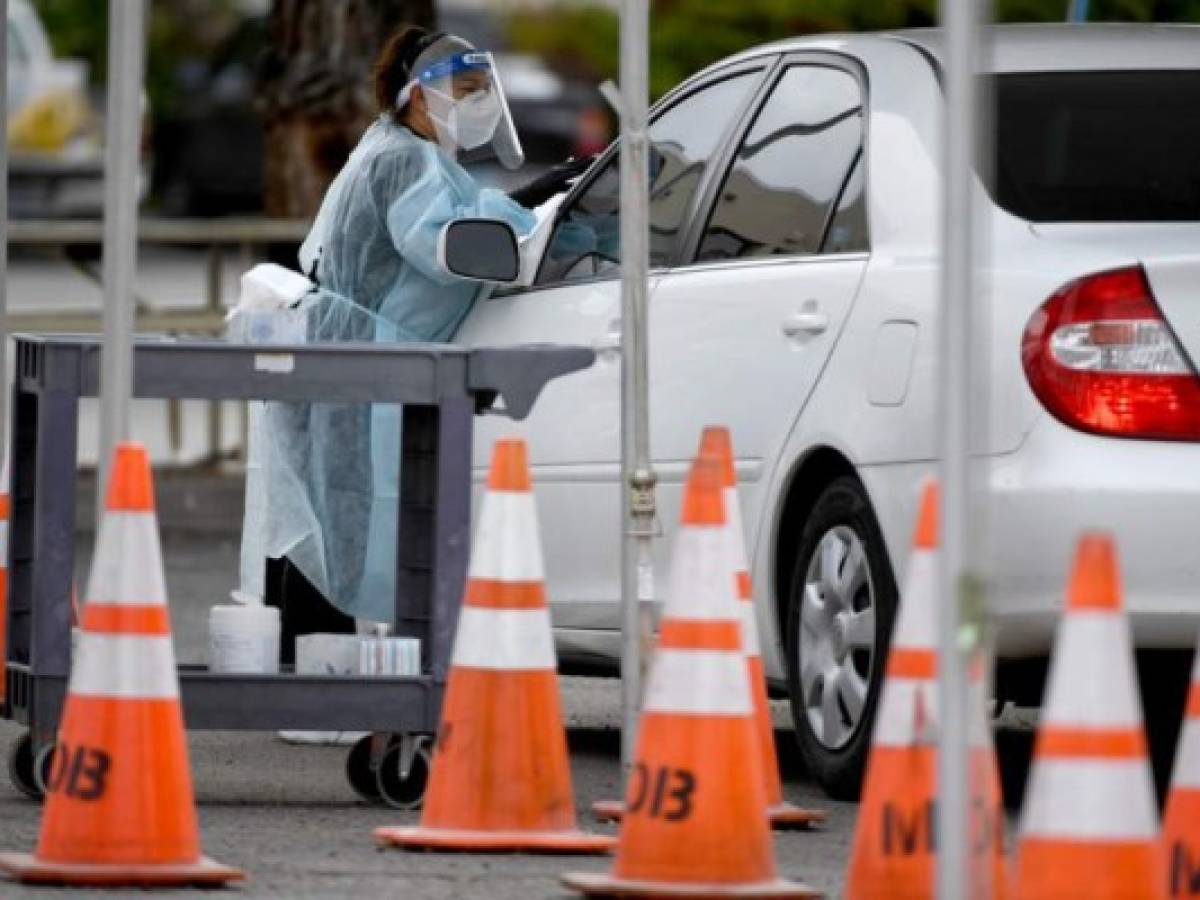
(393, 66)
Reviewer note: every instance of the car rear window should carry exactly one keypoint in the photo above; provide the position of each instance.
(1099, 146)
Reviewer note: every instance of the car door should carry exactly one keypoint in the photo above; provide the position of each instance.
(574, 430)
(740, 335)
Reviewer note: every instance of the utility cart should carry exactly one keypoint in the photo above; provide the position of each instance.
(441, 387)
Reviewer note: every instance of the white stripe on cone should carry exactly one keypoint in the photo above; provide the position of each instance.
(702, 588)
(896, 721)
(916, 624)
(737, 533)
(504, 639)
(507, 547)
(750, 642)
(1186, 770)
(1186, 773)
(1090, 799)
(122, 574)
(698, 682)
(737, 553)
(127, 666)
(1107, 702)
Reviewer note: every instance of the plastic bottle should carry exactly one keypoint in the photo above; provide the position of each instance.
(243, 637)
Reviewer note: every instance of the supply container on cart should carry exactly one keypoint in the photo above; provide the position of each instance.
(441, 387)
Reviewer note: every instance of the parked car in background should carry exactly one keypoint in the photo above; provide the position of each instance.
(31, 63)
(794, 248)
(54, 135)
(209, 145)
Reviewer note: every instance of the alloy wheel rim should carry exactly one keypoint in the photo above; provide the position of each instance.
(836, 650)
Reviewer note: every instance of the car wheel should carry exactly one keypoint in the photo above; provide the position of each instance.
(839, 620)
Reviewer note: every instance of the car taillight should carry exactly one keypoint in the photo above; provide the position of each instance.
(1101, 358)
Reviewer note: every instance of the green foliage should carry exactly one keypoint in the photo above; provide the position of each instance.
(77, 28)
(176, 30)
(686, 35)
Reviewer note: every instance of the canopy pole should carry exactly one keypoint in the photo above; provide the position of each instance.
(962, 23)
(4, 336)
(122, 151)
(638, 514)
(123, 147)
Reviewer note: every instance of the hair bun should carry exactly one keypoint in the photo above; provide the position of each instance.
(393, 67)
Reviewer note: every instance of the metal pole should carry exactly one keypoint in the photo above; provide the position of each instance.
(638, 513)
(216, 289)
(4, 248)
(961, 23)
(122, 147)
(1077, 11)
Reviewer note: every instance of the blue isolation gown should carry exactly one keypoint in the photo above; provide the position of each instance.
(332, 469)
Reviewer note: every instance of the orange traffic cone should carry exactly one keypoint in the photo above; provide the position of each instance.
(717, 444)
(988, 868)
(894, 853)
(1181, 826)
(119, 805)
(694, 824)
(1089, 826)
(501, 779)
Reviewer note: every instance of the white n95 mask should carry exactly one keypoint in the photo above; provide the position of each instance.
(474, 119)
(467, 122)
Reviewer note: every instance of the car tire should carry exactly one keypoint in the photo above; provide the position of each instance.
(835, 667)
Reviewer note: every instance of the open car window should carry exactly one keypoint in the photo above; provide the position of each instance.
(684, 139)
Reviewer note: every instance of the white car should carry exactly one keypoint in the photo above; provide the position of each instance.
(795, 242)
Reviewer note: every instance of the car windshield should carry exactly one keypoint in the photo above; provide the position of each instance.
(1099, 146)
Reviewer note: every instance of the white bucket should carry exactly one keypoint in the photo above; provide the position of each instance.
(244, 637)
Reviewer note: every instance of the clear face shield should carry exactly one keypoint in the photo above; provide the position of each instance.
(466, 102)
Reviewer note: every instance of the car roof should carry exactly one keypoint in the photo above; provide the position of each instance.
(1066, 47)
(1038, 48)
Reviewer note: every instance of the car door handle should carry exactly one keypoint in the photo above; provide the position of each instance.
(808, 322)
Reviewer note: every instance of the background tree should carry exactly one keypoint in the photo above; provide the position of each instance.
(316, 91)
(686, 35)
(178, 30)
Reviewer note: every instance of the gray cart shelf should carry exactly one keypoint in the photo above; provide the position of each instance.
(441, 388)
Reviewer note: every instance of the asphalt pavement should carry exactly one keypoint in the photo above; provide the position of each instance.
(285, 813)
(287, 816)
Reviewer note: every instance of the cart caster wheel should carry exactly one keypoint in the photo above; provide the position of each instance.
(41, 767)
(359, 773)
(400, 789)
(27, 773)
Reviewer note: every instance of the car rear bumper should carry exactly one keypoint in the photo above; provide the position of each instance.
(1062, 482)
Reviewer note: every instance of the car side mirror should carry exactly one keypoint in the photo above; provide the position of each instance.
(480, 249)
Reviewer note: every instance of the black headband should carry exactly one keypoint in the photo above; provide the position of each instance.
(423, 43)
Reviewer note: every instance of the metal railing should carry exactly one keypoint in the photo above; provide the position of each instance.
(242, 235)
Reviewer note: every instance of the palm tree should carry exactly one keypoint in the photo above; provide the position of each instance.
(316, 92)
